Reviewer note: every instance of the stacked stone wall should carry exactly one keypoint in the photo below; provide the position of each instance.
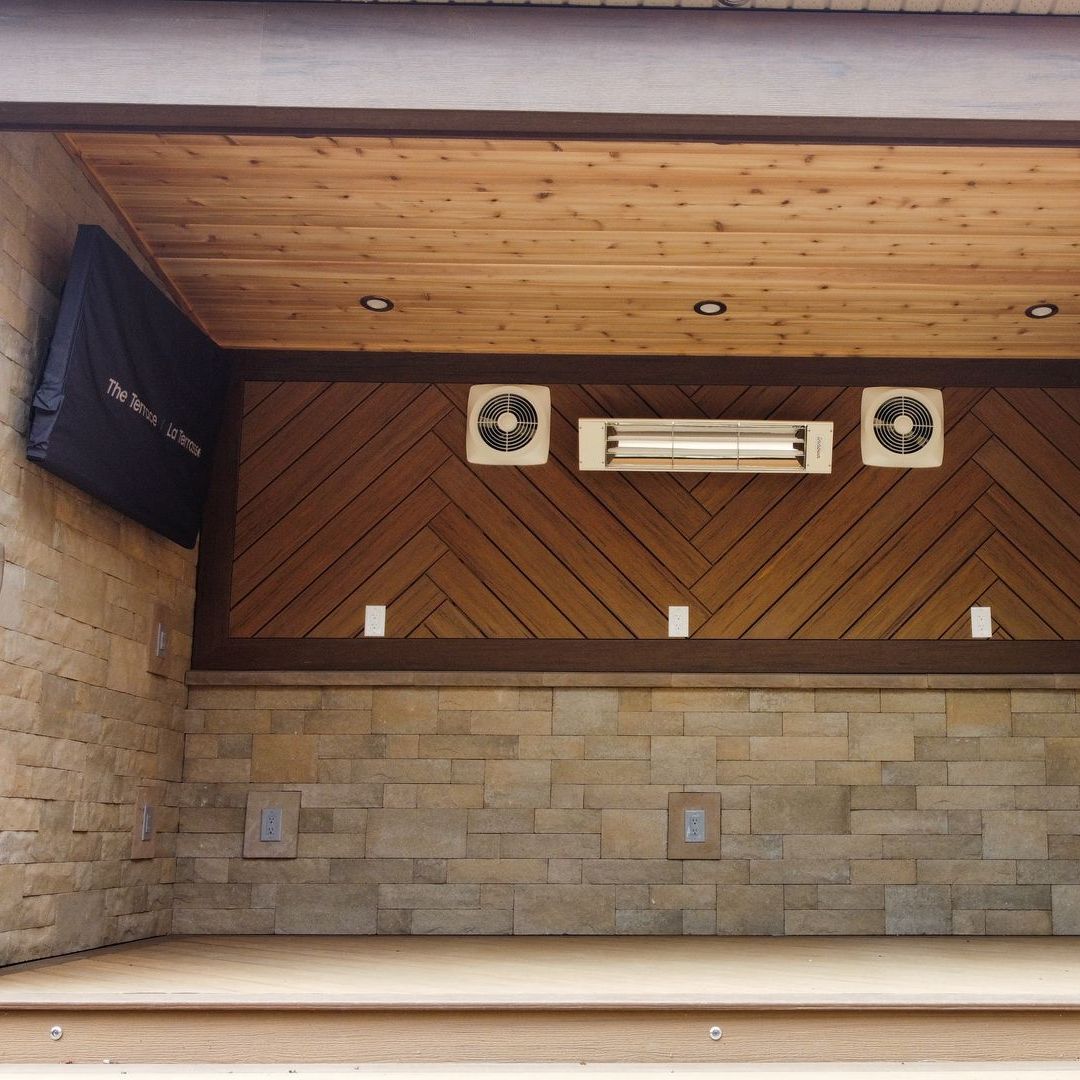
(83, 725)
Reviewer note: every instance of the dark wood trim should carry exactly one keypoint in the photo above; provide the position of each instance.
(213, 588)
(300, 366)
(507, 124)
(826, 657)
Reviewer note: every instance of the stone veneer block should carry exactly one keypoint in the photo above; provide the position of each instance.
(978, 712)
(683, 760)
(1014, 834)
(633, 834)
(799, 809)
(918, 909)
(285, 848)
(404, 710)
(325, 909)
(750, 909)
(283, 759)
(585, 712)
(1063, 761)
(880, 737)
(416, 834)
(517, 784)
(564, 909)
(1066, 909)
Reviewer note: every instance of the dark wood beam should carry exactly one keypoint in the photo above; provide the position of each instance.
(825, 657)
(66, 116)
(298, 366)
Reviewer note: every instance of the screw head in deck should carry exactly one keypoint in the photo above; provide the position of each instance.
(715, 1033)
(56, 1032)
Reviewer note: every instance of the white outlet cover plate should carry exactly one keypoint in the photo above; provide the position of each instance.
(678, 621)
(375, 620)
(982, 626)
(694, 826)
(270, 825)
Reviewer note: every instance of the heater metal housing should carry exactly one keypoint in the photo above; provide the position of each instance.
(764, 446)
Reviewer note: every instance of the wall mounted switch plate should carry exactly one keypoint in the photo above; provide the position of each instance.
(147, 830)
(982, 625)
(678, 621)
(144, 825)
(159, 641)
(375, 620)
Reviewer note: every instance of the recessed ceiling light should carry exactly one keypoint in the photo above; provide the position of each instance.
(1041, 311)
(376, 303)
(710, 307)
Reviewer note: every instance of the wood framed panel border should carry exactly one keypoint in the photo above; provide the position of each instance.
(216, 649)
(254, 365)
(180, 118)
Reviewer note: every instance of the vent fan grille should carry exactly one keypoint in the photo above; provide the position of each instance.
(507, 422)
(903, 425)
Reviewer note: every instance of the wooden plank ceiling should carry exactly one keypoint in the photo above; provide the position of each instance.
(352, 494)
(571, 247)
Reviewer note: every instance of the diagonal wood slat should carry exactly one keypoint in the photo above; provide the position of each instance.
(1046, 596)
(897, 514)
(874, 587)
(527, 506)
(340, 537)
(324, 493)
(947, 607)
(1014, 615)
(279, 450)
(488, 612)
(360, 493)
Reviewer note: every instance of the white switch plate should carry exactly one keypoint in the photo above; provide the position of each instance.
(981, 624)
(694, 826)
(678, 622)
(146, 831)
(375, 620)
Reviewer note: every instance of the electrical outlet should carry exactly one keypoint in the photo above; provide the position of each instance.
(270, 825)
(374, 620)
(694, 826)
(982, 625)
(678, 622)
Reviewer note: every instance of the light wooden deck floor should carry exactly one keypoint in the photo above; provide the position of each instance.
(564, 973)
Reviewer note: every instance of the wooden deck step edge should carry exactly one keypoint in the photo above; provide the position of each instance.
(1017, 1070)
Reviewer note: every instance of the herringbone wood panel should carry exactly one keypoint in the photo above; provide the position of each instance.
(352, 494)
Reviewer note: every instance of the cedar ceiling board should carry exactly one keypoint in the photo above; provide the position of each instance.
(552, 553)
(602, 248)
